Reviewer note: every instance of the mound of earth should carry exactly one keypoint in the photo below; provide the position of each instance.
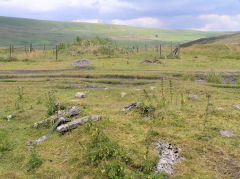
(151, 61)
(81, 62)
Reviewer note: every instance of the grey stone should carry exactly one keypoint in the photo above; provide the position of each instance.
(194, 97)
(80, 95)
(40, 140)
(59, 122)
(168, 157)
(151, 61)
(130, 107)
(123, 94)
(236, 107)
(45, 122)
(75, 124)
(75, 110)
(226, 133)
(81, 62)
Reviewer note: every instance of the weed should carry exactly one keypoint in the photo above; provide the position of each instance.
(35, 161)
(4, 143)
(188, 76)
(213, 77)
(51, 103)
(19, 101)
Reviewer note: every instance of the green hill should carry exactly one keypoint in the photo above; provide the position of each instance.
(19, 31)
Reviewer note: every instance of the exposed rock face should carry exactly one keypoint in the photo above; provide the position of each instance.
(74, 124)
(81, 62)
(130, 107)
(73, 111)
(151, 61)
(226, 133)
(194, 97)
(168, 157)
(80, 95)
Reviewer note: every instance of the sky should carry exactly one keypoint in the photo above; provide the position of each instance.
(205, 15)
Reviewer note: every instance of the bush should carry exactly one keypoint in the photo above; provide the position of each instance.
(10, 59)
(116, 169)
(213, 77)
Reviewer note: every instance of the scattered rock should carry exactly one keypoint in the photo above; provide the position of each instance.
(9, 117)
(81, 62)
(236, 107)
(41, 139)
(73, 54)
(151, 61)
(194, 97)
(123, 94)
(219, 109)
(226, 133)
(46, 122)
(153, 87)
(74, 124)
(130, 107)
(80, 95)
(168, 157)
(74, 100)
(59, 122)
(105, 89)
(73, 111)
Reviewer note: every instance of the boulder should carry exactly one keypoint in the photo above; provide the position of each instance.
(80, 95)
(81, 62)
(153, 87)
(74, 124)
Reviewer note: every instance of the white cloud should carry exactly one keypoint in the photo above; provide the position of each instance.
(87, 20)
(139, 22)
(214, 22)
(104, 6)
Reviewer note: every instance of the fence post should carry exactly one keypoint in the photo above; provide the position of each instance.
(56, 52)
(108, 50)
(30, 49)
(10, 50)
(160, 50)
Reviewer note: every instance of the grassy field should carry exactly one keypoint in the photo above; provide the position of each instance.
(19, 31)
(127, 139)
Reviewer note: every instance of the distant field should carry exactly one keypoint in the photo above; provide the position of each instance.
(20, 31)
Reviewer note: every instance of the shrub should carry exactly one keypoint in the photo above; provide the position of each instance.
(115, 169)
(213, 77)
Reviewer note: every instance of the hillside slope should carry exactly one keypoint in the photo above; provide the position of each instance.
(19, 31)
(229, 38)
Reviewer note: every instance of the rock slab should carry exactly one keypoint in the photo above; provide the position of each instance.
(82, 62)
(226, 133)
(168, 157)
(74, 124)
(80, 95)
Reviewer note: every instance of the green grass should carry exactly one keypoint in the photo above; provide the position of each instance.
(20, 31)
(121, 144)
